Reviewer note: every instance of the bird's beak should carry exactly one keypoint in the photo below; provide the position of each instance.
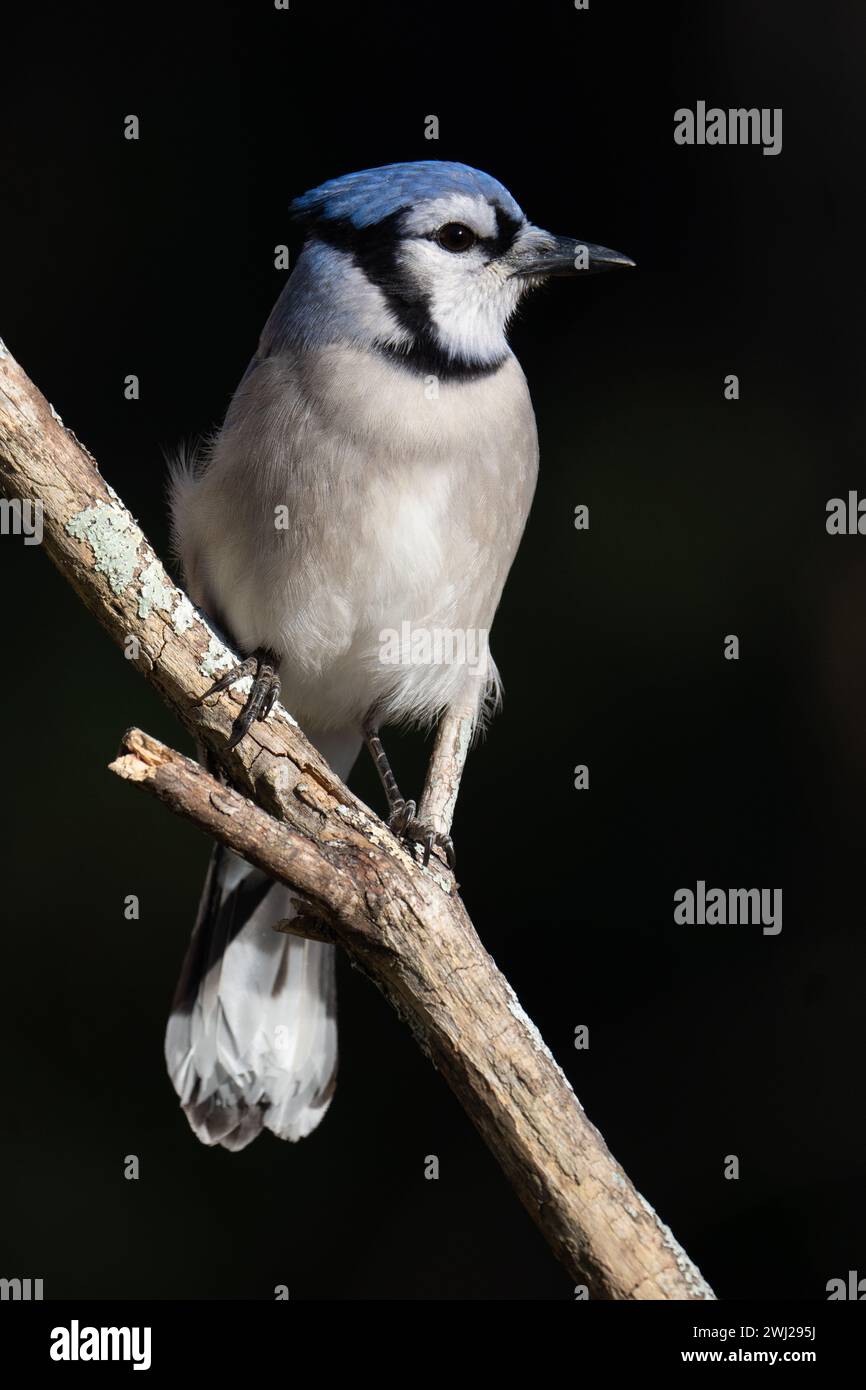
(545, 254)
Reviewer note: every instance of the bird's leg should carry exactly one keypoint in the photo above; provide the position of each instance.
(400, 811)
(263, 666)
(430, 826)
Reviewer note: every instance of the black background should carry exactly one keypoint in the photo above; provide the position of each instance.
(707, 518)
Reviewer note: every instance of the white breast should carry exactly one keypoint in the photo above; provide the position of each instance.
(346, 498)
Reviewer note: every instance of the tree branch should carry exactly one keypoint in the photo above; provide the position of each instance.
(287, 813)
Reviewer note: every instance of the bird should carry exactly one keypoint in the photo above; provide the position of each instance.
(368, 488)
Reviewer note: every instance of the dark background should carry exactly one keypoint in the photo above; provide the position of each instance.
(707, 518)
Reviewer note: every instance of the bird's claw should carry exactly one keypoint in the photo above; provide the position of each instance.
(262, 665)
(401, 814)
(412, 831)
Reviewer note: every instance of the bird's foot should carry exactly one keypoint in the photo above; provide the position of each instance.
(262, 665)
(406, 826)
(401, 814)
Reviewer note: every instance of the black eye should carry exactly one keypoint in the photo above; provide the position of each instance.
(455, 237)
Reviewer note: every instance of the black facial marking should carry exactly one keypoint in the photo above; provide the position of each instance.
(425, 357)
(374, 250)
(507, 228)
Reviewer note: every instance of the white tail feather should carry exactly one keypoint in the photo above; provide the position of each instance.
(252, 1038)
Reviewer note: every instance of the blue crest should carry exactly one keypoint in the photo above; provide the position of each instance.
(371, 194)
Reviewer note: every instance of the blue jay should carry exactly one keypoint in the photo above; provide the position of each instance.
(373, 477)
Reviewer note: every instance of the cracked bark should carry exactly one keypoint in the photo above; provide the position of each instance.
(287, 812)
